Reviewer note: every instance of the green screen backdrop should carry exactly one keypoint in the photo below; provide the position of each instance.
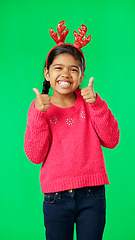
(110, 59)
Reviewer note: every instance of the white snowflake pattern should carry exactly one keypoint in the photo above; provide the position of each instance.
(53, 120)
(83, 115)
(69, 121)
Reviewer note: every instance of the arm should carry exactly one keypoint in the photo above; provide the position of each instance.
(37, 135)
(104, 122)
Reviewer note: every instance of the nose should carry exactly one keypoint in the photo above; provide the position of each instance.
(65, 73)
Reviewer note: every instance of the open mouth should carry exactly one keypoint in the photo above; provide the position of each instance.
(64, 83)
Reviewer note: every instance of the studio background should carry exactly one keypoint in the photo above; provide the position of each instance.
(110, 59)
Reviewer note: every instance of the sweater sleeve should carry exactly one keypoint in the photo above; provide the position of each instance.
(37, 136)
(105, 124)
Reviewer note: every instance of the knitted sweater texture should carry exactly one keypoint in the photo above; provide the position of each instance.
(67, 141)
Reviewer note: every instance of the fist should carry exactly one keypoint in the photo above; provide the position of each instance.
(43, 101)
(88, 93)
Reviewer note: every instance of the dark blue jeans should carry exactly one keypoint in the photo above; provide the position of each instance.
(84, 206)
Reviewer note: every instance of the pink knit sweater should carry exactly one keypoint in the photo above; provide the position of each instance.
(67, 141)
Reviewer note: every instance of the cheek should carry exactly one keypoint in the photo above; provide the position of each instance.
(53, 75)
(81, 78)
(77, 78)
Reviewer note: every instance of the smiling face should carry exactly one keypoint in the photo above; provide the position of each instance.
(64, 74)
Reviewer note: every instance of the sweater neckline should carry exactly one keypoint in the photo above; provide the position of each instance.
(73, 106)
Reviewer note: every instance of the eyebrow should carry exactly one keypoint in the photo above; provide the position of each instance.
(63, 65)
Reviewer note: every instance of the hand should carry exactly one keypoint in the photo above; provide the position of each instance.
(43, 101)
(88, 93)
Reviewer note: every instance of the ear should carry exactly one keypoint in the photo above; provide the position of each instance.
(46, 73)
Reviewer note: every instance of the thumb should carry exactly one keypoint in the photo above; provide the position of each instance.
(36, 92)
(91, 82)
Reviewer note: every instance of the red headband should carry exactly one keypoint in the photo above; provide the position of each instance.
(79, 43)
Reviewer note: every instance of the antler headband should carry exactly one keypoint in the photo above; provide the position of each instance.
(79, 41)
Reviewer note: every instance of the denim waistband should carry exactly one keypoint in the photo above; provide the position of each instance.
(72, 192)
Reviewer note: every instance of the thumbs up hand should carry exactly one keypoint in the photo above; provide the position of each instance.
(43, 101)
(88, 93)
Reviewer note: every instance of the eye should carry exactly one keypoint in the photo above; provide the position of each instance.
(58, 68)
(74, 70)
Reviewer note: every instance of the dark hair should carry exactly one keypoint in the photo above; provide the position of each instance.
(55, 52)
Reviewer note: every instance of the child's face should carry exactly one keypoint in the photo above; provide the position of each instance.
(64, 74)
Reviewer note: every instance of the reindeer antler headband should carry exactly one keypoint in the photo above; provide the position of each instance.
(79, 41)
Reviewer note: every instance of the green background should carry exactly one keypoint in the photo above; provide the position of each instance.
(110, 59)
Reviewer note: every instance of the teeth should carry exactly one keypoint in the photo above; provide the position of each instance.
(64, 83)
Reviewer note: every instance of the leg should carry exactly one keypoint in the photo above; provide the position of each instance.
(58, 217)
(91, 211)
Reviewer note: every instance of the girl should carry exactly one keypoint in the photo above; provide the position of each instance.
(65, 133)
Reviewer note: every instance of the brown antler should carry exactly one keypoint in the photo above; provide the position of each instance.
(62, 35)
(79, 43)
